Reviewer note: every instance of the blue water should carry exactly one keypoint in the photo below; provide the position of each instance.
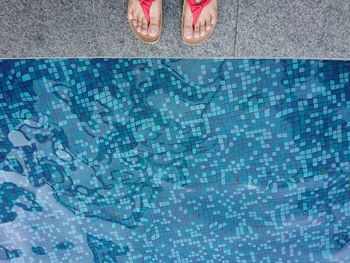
(163, 160)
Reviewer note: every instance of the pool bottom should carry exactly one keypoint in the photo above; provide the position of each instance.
(131, 160)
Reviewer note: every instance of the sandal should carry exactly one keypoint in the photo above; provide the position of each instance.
(196, 9)
(146, 6)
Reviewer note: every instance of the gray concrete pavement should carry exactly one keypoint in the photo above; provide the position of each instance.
(246, 28)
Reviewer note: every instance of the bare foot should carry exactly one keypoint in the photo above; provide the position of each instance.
(139, 20)
(205, 23)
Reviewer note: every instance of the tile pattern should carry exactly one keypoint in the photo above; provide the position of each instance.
(146, 160)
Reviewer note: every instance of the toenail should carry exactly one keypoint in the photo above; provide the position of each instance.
(152, 31)
(188, 33)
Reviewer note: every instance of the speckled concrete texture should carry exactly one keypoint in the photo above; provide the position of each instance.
(246, 28)
(114, 41)
(31, 28)
(49, 28)
(301, 28)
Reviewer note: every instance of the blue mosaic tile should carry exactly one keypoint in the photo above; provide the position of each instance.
(165, 160)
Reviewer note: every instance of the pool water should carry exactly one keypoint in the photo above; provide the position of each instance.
(174, 160)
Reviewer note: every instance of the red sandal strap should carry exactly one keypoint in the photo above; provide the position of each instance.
(196, 8)
(146, 6)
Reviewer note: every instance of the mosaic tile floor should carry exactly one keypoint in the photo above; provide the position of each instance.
(117, 160)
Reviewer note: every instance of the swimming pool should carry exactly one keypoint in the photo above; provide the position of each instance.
(174, 160)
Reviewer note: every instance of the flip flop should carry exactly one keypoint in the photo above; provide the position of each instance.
(146, 6)
(196, 9)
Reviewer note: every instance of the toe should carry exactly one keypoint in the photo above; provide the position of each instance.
(207, 24)
(131, 13)
(188, 29)
(188, 32)
(196, 30)
(213, 18)
(154, 26)
(202, 29)
(144, 26)
(134, 22)
(139, 24)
